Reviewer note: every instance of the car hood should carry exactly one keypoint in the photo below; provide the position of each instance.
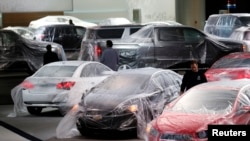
(109, 101)
(183, 122)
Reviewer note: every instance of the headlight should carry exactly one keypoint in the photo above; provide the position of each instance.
(133, 108)
(151, 130)
(202, 134)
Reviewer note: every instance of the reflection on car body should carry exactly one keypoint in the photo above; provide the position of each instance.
(213, 103)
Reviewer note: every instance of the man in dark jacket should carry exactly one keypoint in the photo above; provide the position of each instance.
(110, 56)
(193, 77)
(49, 56)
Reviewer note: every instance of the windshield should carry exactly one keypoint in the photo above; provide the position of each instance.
(56, 71)
(203, 100)
(124, 84)
(232, 63)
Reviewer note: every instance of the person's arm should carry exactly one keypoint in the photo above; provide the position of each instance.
(102, 57)
(184, 83)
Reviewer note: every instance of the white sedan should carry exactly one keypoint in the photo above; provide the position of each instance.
(61, 84)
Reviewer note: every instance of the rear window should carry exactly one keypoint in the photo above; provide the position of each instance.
(109, 33)
(56, 71)
(245, 21)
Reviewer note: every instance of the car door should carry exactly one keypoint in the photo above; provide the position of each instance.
(169, 48)
(193, 40)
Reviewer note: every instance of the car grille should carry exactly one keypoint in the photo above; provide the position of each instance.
(181, 137)
(107, 120)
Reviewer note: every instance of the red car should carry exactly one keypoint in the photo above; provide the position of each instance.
(212, 103)
(232, 66)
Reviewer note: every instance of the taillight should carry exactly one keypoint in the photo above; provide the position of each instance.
(98, 51)
(27, 85)
(65, 85)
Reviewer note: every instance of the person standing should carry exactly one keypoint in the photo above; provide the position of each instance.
(193, 77)
(49, 56)
(71, 22)
(110, 56)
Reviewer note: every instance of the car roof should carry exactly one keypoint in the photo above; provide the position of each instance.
(71, 63)
(233, 14)
(60, 25)
(116, 26)
(238, 55)
(143, 71)
(224, 84)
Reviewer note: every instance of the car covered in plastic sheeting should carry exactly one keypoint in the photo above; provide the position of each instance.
(125, 101)
(59, 85)
(232, 66)
(59, 19)
(18, 53)
(173, 47)
(212, 103)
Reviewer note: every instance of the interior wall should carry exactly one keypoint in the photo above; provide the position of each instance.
(191, 12)
(188, 12)
(96, 10)
(8, 6)
(24, 18)
(153, 10)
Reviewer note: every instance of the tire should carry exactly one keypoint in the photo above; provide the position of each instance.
(34, 110)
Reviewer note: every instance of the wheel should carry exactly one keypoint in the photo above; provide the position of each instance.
(34, 110)
(124, 67)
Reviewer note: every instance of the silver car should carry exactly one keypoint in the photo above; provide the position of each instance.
(61, 84)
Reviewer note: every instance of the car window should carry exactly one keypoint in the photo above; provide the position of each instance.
(109, 33)
(170, 34)
(56, 71)
(133, 30)
(80, 31)
(245, 21)
(93, 70)
(191, 35)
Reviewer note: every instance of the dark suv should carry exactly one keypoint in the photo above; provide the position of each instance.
(173, 47)
(69, 36)
(94, 40)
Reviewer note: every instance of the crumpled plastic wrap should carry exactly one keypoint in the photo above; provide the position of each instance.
(17, 50)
